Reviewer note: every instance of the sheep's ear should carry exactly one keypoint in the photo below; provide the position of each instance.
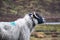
(34, 14)
(31, 15)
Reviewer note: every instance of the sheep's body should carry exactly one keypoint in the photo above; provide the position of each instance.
(17, 30)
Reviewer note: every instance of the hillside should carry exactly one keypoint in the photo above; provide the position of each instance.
(46, 8)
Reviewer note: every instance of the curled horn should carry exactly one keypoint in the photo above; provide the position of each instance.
(35, 14)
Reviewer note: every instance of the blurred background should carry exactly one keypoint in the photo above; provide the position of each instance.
(11, 10)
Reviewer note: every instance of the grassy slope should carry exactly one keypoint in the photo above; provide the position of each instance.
(47, 27)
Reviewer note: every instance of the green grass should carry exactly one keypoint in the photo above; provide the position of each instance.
(46, 38)
(33, 38)
(48, 27)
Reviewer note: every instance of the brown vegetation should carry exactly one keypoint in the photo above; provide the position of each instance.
(38, 34)
(46, 8)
